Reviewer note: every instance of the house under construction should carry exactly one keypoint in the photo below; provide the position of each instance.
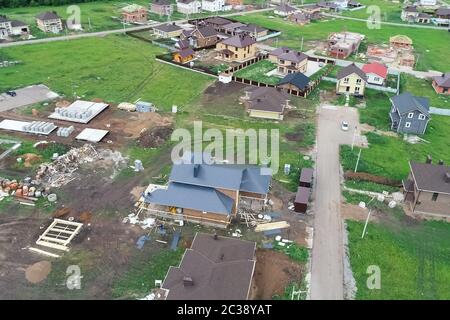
(206, 193)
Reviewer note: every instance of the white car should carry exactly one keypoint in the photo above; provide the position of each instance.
(344, 126)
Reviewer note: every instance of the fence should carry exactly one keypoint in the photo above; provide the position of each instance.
(370, 86)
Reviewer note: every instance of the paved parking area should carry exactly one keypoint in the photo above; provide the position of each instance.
(26, 96)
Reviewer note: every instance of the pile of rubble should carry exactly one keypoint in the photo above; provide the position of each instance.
(62, 170)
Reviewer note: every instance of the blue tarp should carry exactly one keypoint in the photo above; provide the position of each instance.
(267, 245)
(176, 238)
(141, 241)
(272, 232)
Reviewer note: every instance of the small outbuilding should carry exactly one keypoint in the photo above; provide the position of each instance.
(184, 55)
(302, 199)
(306, 177)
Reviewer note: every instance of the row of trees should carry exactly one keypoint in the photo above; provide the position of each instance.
(33, 3)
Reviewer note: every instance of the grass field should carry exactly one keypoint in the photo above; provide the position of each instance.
(115, 68)
(103, 15)
(389, 156)
(422, 87)
(257, 72)
(389, 11)
(431, 45)
(413, 257)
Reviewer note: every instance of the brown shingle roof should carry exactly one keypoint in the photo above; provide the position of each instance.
(47, 16)
(239, 41)
(430, 177)
(348, 70)
(168, 27)
(267, 99)
(443, 81)
(219, 269)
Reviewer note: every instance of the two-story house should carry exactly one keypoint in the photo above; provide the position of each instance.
(189, 6)
(200, 37)
(284, 10)
(215, 5)
(207, 193)
(162, 7)
(409, 114)
(238, 48)
(49, 22)
(441, 84)
(351, 80)
(12, 27)
(134, 13)
(288, 60)
(409, 14)
(427, 188)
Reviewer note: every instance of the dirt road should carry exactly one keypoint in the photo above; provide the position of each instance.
(114, 31)
(327, 252)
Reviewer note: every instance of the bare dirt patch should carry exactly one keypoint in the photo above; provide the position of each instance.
(354, 212)
(38, 272)
(154, 137)
(273, 273)
(30, 159)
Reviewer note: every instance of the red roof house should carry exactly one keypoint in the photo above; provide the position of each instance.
(376, 73)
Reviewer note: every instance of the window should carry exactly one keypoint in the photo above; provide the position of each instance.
(376, 79)
(421, 117)
(281, 61)
(358, 81)
(435, 196)
(356, 89)
(346, 80)
(408, 124)
(410, 115)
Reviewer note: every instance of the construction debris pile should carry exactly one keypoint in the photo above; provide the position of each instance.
(62, 170)
(26, 192)
(155, 137)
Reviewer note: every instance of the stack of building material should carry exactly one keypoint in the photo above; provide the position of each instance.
(39, 127)
(65, 131)
(79, 111)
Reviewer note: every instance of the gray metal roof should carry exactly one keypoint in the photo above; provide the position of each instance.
(302, 195)
(47, 16)
(219, 269)
(297, 79)
(192, 197)
(406, 103)
(231, 177)
(17, 23)
(3, 19)
(430, 177)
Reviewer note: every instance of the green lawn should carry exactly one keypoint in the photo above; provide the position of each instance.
(257, 72)
(103, 15)
(389, 156)
(116, 68)
(422, 87)
(431, 45)
(139, 280)
(389, 11)
(413, 258)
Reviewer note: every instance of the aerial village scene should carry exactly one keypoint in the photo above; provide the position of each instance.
(225, 150)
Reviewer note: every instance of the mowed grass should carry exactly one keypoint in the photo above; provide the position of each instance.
(389, 11)
(116, 68)
(258, 71)
(389, 156)
(422, 87)
(431, 45)
(413, 257)
(103, 15)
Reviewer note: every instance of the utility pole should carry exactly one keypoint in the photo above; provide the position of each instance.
(357, 161)
(365, 225)
(301, 46)
(354, 135)
(89, 21)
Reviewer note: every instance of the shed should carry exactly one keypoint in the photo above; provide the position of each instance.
(302, 199)
(306, 177)
(142, 106)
